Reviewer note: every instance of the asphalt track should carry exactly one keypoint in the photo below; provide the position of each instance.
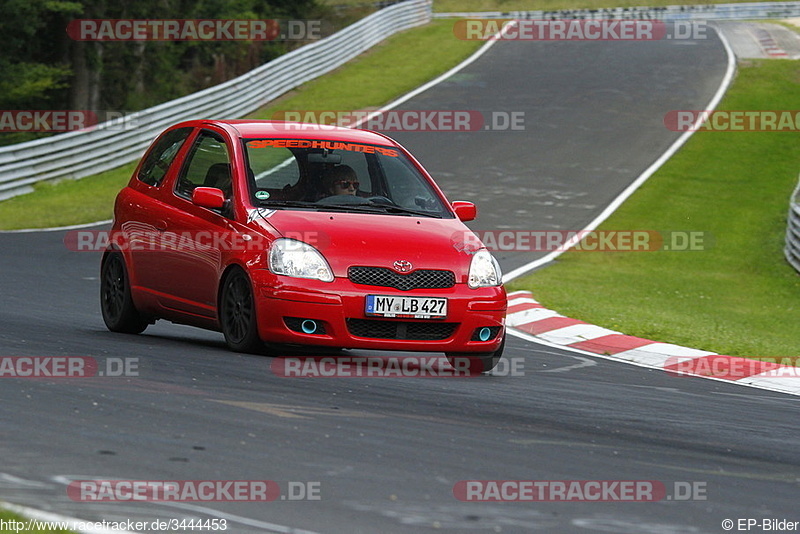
(593, 121)
(388, 452)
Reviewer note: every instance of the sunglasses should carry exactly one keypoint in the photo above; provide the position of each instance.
(345, 184)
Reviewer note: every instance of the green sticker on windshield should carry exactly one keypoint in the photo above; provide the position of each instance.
(262, 195)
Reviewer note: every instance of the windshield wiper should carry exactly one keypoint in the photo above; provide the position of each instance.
(363, 208)
(320, 207)
(287, 204)
(377, 208)
(400, 209)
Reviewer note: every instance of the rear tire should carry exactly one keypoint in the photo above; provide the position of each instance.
(116, 302)
(237, 314)
(476, 362)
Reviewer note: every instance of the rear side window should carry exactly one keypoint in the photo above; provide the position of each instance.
(160, 158)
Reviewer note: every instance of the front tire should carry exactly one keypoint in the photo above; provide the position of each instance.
(237, 314)
(116, 302)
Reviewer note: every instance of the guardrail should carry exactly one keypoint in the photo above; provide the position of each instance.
(754, 10)
(111, 144)
(792, 249)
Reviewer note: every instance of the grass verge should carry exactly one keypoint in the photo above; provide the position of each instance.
(396, 66)
(738, 296)
(66, 202)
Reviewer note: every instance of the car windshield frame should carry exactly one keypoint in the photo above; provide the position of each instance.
(299, 173)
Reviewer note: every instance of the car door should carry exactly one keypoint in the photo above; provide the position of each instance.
(143, 217)
(194, 239)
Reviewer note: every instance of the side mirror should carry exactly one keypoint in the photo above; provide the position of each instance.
(466, 211)
(208, 197)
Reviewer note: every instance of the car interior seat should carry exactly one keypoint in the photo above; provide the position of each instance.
(219, 176)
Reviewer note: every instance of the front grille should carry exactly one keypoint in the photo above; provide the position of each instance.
(420, 279)
(400, 329)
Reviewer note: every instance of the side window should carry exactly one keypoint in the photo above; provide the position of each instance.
(159, 159)
(208, 165)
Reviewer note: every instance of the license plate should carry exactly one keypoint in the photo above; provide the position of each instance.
(408, 307)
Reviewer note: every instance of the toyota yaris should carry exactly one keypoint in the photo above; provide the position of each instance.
(281, 233)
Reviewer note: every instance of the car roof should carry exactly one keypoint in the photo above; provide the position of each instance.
(295, 130)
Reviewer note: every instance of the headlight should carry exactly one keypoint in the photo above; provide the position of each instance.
(484, 271)
(299, 260)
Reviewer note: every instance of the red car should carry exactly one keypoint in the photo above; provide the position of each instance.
(284, 233)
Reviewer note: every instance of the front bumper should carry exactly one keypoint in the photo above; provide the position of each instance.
(338, 309)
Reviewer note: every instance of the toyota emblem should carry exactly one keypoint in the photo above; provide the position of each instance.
(402, 266)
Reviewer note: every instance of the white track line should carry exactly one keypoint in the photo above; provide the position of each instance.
(756, 381)
(56, 228)
(617, 202)
(436, 81)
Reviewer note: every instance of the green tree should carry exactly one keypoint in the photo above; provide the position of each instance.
(33, 68)
(44, 68)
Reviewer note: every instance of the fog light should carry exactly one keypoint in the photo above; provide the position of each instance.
(309, 326)
(485, 333)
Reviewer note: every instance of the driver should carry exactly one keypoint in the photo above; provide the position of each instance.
(341, 180)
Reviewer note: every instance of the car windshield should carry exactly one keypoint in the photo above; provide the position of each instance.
(338, 176)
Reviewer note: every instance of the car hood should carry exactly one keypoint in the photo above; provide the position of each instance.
(347, 239)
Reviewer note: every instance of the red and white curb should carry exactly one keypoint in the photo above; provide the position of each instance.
(769, 45)
(528, 316)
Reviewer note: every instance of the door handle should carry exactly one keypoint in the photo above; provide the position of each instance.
(160, 225)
